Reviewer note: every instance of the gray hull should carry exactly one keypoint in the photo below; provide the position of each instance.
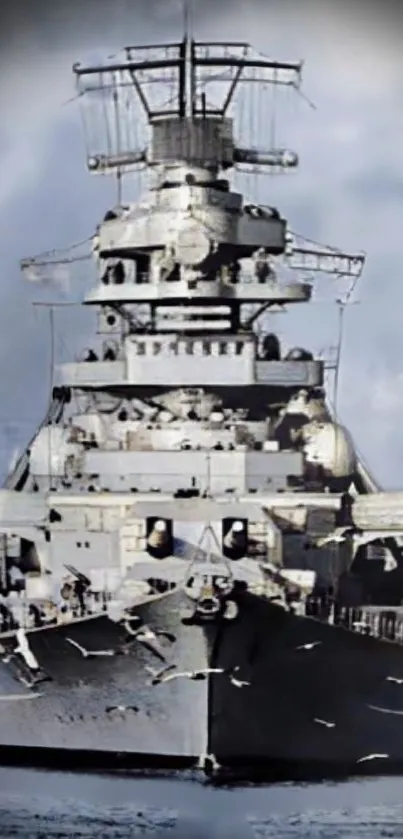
(305, 711)
(169, 719)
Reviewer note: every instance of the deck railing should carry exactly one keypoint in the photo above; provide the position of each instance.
(383, 622)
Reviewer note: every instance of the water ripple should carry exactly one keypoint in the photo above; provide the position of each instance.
(40, 819)
(365, 822)
(40, 805)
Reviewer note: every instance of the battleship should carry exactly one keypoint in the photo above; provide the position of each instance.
(197, 568)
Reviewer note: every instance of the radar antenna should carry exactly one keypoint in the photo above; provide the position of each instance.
(190, 70)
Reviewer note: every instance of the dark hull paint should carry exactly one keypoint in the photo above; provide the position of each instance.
(273, 720)
(265, 729)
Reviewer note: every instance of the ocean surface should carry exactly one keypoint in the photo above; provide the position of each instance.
(41, 805)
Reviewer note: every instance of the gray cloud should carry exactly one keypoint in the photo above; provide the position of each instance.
(348, 191)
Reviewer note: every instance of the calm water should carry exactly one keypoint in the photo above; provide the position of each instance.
(39, 805)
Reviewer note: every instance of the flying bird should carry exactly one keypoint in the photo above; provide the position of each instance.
(309, 646)
(338, 535)
(325, 722)
(157, 675)
(145, 633)
(238, 683)
(372, 757)
(360, 537)
(197, 675)
(110, 709)
(194, 675)
(90, 653)
(23, 649)
(148, 634)
(385, 710)
(150, 638)
(394, 679)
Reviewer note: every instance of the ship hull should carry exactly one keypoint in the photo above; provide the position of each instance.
(316, 710)
(309, 710)
(73, 710)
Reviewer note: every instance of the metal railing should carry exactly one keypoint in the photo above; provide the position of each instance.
(382, 621)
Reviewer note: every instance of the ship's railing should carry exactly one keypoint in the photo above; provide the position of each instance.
(383, 622)
(245, 278)
(33, 615)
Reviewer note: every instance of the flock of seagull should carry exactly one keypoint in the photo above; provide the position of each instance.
(150, 639)
(143, 634)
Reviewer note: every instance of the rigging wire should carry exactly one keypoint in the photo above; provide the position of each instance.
(254, 125)
(118, 141)
(49, 426)
(304, 96)
(340, 326)
(106, 118)
(273, 112)
(342, 303)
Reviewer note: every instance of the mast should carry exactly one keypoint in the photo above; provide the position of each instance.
(190, 66)
(188, 83)
(192, 234)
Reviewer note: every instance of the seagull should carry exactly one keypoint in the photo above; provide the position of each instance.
(90, 653)
(24, 650)
(194, 675)
(338, 535)
(121, 708)
(147, 636)
(325, 722)
(197, 675)
(385, 710)
(394, 679)
(145, 633)
(372, 757)
(158, 674)
(309, 646)
(238, 683)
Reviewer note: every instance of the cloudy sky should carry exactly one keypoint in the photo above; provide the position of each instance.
(348, 192)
